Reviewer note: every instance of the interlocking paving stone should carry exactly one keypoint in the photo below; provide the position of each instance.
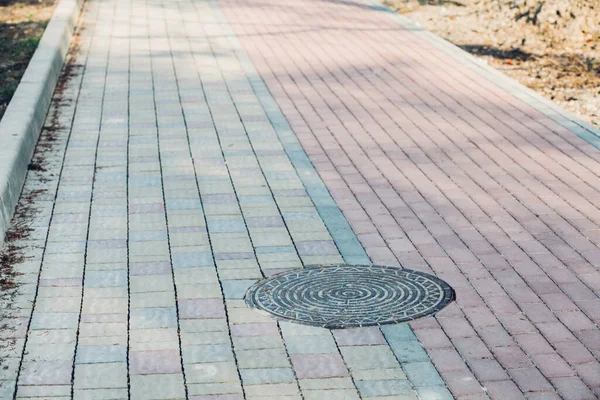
(207, 353)
(211, 372)
(384, 388)
(46, 373)
(100, 354)
(105, 375)
(236, 289)
(145, 318)
(53, 321)
(318, 365)
(154, 362)
(201, 309)
(165, 386)
(311, 344)
(197, 154)
(267, 375)
(369, 357)
(99, 394)
(422, 374)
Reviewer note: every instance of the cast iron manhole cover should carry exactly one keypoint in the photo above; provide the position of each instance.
(345, 296)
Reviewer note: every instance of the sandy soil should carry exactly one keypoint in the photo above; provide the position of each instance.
(551, 46)
(22, 24)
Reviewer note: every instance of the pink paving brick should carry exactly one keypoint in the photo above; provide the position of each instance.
(495, 336)
(447, 360)
(457, 327)
(552, 365)
(530, 379)
(504, 390)
(488, 370)
(590, 373)
(472, 347)
(155, 362)
(462, 383)
(433, 338)
(573, 388)
(574, 352)
(512, 357)
(533, 343)
(545, 395)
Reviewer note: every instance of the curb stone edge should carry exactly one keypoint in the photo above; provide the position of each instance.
(24, 117)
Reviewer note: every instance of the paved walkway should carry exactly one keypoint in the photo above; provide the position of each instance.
(195, 146)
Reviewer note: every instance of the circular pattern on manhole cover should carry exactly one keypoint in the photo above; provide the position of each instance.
(344, 296)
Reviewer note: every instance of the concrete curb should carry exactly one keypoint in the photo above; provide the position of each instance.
(20, 127)
(573, 123)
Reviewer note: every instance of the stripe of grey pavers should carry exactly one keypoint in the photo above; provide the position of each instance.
(567, 120)
(21, 124)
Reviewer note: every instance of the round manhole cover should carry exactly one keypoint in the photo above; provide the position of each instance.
(345, 296)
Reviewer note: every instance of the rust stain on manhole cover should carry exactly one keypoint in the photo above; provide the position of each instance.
(345, 296)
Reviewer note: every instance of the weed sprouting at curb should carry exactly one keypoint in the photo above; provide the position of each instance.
(12, 252)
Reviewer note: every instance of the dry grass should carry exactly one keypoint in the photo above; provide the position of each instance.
(22, 24)
(551, 46)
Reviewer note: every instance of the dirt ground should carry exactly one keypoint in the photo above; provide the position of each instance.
(551, 46)
(22, 24)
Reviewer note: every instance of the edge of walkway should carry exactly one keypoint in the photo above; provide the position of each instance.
(24, 117)
(566, 119)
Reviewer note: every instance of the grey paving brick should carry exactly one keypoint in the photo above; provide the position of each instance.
(270, 390)
(256, 343)
(100, 394)
(42, 352)
(166, 386)
(310, 344)
(54, 321)
(46, 373)
(369, 357)
(210, 389)
(36, 391)
(211, 372)
(103, 329)
(151, 283)
(267, 375)
(145, 318)
(100, 354)
(264, 358)
(333, 394)
(385, 388)
(236, 289)
(207, 353)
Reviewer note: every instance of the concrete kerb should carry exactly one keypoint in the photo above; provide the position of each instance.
(22, 122)
(578, 126)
